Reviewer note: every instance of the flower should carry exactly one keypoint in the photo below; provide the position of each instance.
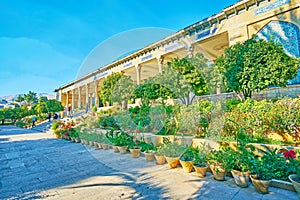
(289, 154)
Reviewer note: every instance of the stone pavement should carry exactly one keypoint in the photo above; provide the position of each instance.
(35, 165)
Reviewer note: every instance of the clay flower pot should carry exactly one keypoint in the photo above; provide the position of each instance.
(97, 145)
(91, 143)
(116, 149)
(218, 172)
(200, 171)
(149, 156)
(105, 146)
(241, 178)
(77, 140)
(122, 149)
(187, 165)
(172, 161)
(295, 181)
(160, 159)
(260, 186)
(135, 152)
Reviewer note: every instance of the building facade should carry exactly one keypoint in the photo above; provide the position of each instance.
(278, 20)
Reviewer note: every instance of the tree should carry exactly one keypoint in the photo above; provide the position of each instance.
(183, 79)
(150, 90)
(123, 91)
(187, 68)
(255, 65)
(41, 106)
(213, 78)
(2, 116)
(108, 86)
(54, 106)
(19, 99)
(31, 98)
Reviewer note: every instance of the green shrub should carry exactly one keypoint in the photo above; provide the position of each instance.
(55, 124)
(109, 122)
(20, 124)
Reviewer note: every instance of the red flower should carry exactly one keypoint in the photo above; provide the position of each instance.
(66, 133)
(289, 154)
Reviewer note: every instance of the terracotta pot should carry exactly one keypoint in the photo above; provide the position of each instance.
(123, 149)
(200, 171)
(260, 186)
(77, 140)
(160, 159)
(149, 156)
(91, 143)
(241, 178)
(105, 146)
(218, 172)
(187, 165)
(99, 145)
(295, 181)
(116, 150)
(172, 161)
(135, 152)
(85, 142)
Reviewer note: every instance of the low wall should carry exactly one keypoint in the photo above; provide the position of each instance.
(199, 142)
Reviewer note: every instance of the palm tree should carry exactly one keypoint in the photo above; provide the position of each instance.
(31, 98)
(20, 99)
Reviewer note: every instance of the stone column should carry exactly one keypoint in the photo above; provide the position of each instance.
(73, 100)
(67, 99)
(218, 90)
(160, 61)
(59, 97)
(86, 95)
(79, 98)
(138, 74)
(96, 93)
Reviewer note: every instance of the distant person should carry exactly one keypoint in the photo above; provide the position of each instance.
(87, 108)
(55, 116)
(49, 117)
(33, 121)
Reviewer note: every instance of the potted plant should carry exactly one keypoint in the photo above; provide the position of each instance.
(121, 139)
(160, 155)
(148, 149)
(218, 162)
(261, 178)
(135, 151)
(200, 162)
(270, 166)
(104, 142)
(187, 159)
(173, 151)
(240, 162)
(294, 168)
(149, 155)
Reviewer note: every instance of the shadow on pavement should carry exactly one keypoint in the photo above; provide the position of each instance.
(30, 166)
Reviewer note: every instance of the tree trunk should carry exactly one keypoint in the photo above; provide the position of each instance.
(124, 105)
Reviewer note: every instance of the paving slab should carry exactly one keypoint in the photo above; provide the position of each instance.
(35, 165)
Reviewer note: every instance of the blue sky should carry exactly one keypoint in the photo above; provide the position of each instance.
(44, 43)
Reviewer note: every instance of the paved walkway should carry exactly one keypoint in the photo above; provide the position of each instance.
(35, 165)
